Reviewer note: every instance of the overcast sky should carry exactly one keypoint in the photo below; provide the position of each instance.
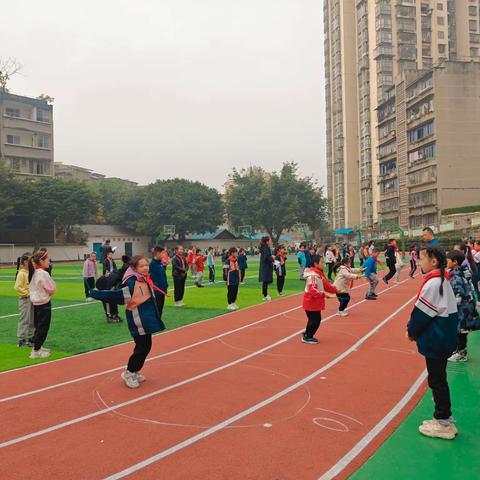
(151, 89)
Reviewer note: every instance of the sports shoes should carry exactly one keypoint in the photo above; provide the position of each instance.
(130, 379)
(231, 306)
(140, 378)
(24, 343)
(342, 313)
(459, 356)
(236, 306)
(39, 354)
(454, 427)
(90, 300)
(370, 297)
(374, 294)
(312, 341)
(267, 298)
(282, 294)
(179, 304)
(433, 428)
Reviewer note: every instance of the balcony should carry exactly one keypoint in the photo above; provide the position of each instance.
(383, 50)
(388, 206)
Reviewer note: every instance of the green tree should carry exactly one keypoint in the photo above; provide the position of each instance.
(275, 201)
(10, 192)
(190, 206)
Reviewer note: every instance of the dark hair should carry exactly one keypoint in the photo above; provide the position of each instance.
(316, 259)
(107, 241)
(177, 247)
(134, 261)
(344, 261)
(428, 229)
(35, 259)
(210, 249)
(264, 241)
(24, 258)
(390, 240)
(439, 254)
(467, 251)
(158, 249)
(125, 259)
(375, 250)
(456, 256)
(232, 250)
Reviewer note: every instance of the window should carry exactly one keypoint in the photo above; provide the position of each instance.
(424, 153)
(421, 132)
(422, 199)
(472, 25)
(440, 21)
(43, 141)
(441, 48)
(441, 34)
(388, 186)
(439, 6)
(13, 112)
(474, 52)
(472, 10)
(13, 139)
(387, 149)
(388, 167)
(42, 115)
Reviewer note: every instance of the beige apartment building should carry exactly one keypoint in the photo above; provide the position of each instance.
(387, 44)
(26, 134)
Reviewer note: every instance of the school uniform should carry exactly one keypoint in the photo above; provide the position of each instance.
(199, 263)
(433, 325)
(242, 265)
(211, 267)
(391, 261)
(109, 282)
(413, 262)
(302, 263)
(233, 279)
(370, 272)
(90, 275)
(109, 266)
(158, 274)
(281, 270)
(343, 283)
(330, 261)
(266, 268)
(143, 318)
(179, 274)
(25, 328)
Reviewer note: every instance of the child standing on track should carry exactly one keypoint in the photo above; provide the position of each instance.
(370, 272)
(142, 315)
(158, 274)
(179, 273)
(232, 271)
(211, 265)
(468, 318)
(281, 268)
(413, 260)
(199, 263)
(242, 264)
(90, 274)
(314, 298)
(25, 329)
(42, 288)
(398, 264)
(344, 278)
(433, 325)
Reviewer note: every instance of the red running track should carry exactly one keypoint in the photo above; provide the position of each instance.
(237, 397)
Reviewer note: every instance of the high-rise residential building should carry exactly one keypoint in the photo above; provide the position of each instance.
(26, 134)
(386, 43)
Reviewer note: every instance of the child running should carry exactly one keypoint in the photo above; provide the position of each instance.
(370, 272)
(413, 260)
(468, 318)
(314, 298)
(143, 316)
(25, 329)
(242, 264)
(232, 278)
(90, 274)
(211, 265)
(42, 288)
(281, 268)
(433, 326)
(344, 278)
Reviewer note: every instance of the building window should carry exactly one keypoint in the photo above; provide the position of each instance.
(13, 112)
(472, 10)
(440, 21)
(388, 167)
(472, 25)
(474, 52)
(424, 153)
(441, 34)
(43, 141)
(43, 115)
(439, 6)
(419, 87)
(13, 139)
(423, 199)
(441, 48)
(388, 186)
(421, 132)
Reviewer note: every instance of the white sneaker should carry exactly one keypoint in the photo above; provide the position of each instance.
(267, 298)
(231, 307)
(43, 349)
(433, 428)
(236, 306)
(343, 313)
(139, 377)
(454, 427)
(178, 304)
(282, 294)
(39, 354)
(459, 356)
(90, 300)
(130, 379)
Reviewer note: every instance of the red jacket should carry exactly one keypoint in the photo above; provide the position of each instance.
(199, 261)
(315, 288)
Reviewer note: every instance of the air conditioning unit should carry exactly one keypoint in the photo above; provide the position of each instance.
(392, 133)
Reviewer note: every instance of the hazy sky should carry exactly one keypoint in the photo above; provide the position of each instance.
(151, 89)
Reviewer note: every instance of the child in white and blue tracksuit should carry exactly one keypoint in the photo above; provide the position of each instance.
(433, 326)
(138, 294)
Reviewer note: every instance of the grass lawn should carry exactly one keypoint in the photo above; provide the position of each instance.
(82, 327)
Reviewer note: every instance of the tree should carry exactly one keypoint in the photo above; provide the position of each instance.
(8, 192)
(190, 206)
(275, 201)
(8, 68)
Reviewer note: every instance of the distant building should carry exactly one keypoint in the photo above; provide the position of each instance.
(73, 172)
(26, 135)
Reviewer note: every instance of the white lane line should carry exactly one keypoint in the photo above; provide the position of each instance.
(254, 408)
(375, 431)
(164, 389)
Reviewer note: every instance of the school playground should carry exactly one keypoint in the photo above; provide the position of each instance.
(231, 395)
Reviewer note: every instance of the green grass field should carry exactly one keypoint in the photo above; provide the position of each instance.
(81, 327)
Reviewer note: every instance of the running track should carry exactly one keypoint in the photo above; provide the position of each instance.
(235, 397)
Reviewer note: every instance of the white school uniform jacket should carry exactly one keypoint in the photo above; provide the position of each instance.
(42, 287)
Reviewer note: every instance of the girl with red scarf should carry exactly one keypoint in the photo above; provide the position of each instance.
(179, 274)
(281, 268)
(232, 279)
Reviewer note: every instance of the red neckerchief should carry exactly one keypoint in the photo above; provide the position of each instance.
(316, 270)
(38, 267)
(181, 259)
(282, 258)
(150, 283)
(233, 263)
(433, 274)
(394, 246)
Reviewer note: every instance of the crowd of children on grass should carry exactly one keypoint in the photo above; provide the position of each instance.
(445, 310)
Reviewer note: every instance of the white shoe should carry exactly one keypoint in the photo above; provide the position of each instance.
(231, 307)
(282, 294)
(43, 349)
(139, 377)
(267, 298)
(429, 422)
(236, 306)
(178, 304)
(130, 379)
(343, 313)
(459, 356)
(90, 300)
(39, 354)
(433, 428)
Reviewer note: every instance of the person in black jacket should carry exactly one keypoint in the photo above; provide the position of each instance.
(266, 266)
(179, 274)
(158, 274)
(109, 264)
(391, 260)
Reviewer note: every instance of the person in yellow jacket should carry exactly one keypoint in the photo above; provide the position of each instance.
(25, 329)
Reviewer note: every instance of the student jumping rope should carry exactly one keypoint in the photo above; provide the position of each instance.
(316, 289)
(90, 274)
(242, 264)
(266, 266)
(345, 275)
(42, 288)
(391, 260)
(138, 294)
(211, 265)
(281, 268)
(26, 328)
(433, 326)
(468, 318)
(179, 274)
(370, 271)
(232, 278)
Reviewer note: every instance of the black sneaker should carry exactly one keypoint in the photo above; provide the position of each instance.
(312, 340)
(385, 281)
(23, 343)
(118, 318)
(370, 297)
(374, 295)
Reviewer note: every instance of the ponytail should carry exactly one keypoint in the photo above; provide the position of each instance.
(439, 254)
(442, 278)
(35, 259)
